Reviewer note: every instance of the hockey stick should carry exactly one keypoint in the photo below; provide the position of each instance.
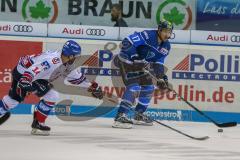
(169, 127)
(185, 134)
(221, 125)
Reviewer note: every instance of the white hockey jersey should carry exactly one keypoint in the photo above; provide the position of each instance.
(49, 66)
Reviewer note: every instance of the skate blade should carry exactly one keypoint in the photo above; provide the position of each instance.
(39, 132)
(141, 123)
(122, 125)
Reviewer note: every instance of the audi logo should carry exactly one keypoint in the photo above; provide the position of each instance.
(235, 38)
(22, 28)
(95, 32)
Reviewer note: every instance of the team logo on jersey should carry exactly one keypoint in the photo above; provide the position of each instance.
(55, 60)
(150, 55)
(214, 68)
(26, 61)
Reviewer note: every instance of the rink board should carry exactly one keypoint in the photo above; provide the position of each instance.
(207, 76)
(158, 114)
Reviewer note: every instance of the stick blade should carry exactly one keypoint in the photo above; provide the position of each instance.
(228, 124)
(5, 118)
(200, 138)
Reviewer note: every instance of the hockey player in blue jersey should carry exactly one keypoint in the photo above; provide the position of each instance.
(139, 50)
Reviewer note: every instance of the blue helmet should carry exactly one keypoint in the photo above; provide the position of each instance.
(71, 48)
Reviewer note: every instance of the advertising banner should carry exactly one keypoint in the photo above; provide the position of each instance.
(11, 51)
(218, 15)
(23, 29)
(82, 31)
(136, 13)
(205, 76)
(213, 37)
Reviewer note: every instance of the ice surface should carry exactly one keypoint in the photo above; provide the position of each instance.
(96, 140)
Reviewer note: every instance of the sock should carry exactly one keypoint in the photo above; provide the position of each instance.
(128, 98)
(43, 109)
(144, 99)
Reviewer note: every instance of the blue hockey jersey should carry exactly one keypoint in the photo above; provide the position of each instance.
(145, 46)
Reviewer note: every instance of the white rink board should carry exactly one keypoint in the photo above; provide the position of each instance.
(178, 53)
(230, 100)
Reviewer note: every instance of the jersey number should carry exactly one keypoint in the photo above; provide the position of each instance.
(135, 38)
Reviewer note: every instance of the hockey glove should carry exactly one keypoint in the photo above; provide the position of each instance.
(96, 90)
(24, 85)
(25, 82)
(163, 83)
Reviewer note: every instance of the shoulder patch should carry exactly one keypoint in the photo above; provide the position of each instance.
(146, 34)
(55, 60)
(164, 51)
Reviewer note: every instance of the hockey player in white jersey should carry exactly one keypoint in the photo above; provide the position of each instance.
(34, 73)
